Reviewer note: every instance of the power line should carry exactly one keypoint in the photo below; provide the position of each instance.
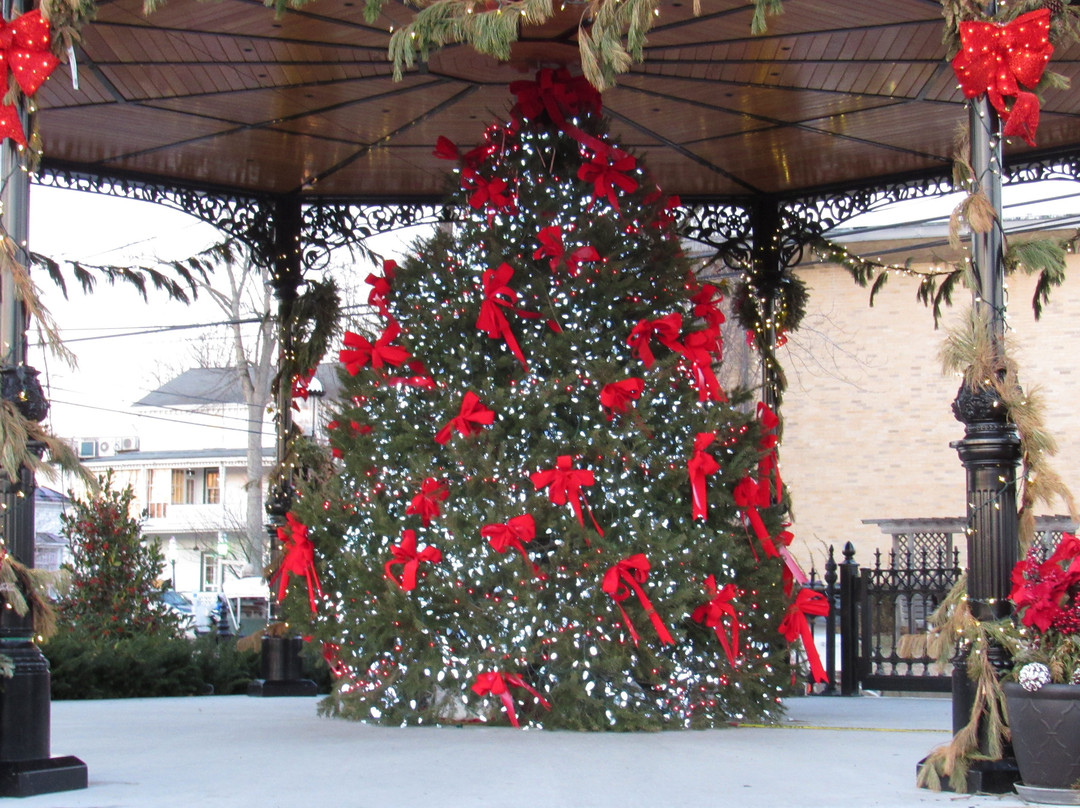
(158, 417)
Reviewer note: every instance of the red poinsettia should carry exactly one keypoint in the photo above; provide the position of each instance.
(1045, 592)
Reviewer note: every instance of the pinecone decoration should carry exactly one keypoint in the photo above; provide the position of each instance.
(1055, 7)
(1033, 676)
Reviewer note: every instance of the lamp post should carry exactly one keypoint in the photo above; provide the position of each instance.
(170, 555)
(315, 391)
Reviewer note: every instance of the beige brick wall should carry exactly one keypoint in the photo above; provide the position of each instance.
(867, 411)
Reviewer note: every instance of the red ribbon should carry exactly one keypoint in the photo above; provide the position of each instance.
(358, 352)
(486, 192)
(300, 384)
(701, 464)
(445, 149)
(299, 559)
(998, 59)
(606, 175)
(702, 349)
(470, 420)
(551, 246)
(516, 533)
(748, 498)
(769, 466)
(795, 624)
(499, 296)
(426, 503)
(629, 574)
(713, 614)
(564, 485)
(497, 683)
(707, 302)
(559, 94)
(405, 554)
(24, 50)
(380, 287)
(666, 329)
(617, 396)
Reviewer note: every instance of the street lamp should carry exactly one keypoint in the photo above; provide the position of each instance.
(170, 556)
(315, 391)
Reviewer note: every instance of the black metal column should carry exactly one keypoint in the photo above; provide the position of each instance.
(280, 656)
(767, 267)
(26, 768)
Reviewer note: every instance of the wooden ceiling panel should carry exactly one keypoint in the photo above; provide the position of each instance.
(390, 173)
(923, 127)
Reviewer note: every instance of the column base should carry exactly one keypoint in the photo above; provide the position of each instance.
(28, 778)
(267, 688)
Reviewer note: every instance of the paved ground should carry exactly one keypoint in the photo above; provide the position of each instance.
(240, 752)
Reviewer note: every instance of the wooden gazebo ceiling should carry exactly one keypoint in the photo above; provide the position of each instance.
(223, 94)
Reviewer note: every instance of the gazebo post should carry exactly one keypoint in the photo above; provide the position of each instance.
(26, 768)
(767, 267)
(990, 450)
(280, 671)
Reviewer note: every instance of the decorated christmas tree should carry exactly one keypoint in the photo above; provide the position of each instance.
(546, 509)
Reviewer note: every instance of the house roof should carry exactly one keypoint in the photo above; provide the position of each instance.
(197, 387)
(163, 458)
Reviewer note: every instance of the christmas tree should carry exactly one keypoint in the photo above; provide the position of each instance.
(547, 510)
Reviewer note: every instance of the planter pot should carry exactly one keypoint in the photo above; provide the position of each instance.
(1045, 728)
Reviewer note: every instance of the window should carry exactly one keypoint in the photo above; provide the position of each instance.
(211, 569)
(183, 486)
(156, 494)
(211, 487)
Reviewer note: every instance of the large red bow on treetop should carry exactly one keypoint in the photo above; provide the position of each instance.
(497, 683)
(606, 175)
(516, 533)
(701, 463)
(426, 503)
(359, 352)
(551, 246)
(666, 329)
(470, 420)
(998, 59)
(629, 574)
(769, 466)
(617, 396)
(406, 555)
(24, 50)
(559, 94)
(499, 296)
(564, 485)
(795, 624)
(712, 614)
(299, 559)
(748, 498)
(701, 349)
(380, 287)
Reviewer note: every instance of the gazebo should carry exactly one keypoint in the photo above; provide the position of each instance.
(290, 132)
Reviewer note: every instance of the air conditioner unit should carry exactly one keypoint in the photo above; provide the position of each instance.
(127, 444)
(105, 448)
(86, 448)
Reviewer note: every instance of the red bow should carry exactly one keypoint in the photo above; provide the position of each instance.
(564, 485)
(426, 503)
(606, 176)
(707, 302)
(516, 533)
(629, 574)
(712, 615)
(486, 193)
(470, 420)
(618, 395)
(10, 125)
(300, 384)
(551, 246)
(559, 94)
(769, 466)
(701, 349)
(299, 559)
(24, 49)
(497, 684)
(795, 624)
(748, 497)
(499, 296)
(666, 329)
(359, 352)
(701, 463)
(997, 59)
(405, 554)
(445, 149)
(380, 287)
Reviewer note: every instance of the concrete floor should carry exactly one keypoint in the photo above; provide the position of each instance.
(240, 752)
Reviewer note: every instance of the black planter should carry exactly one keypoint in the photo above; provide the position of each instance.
(1045, 728)
(280, 669)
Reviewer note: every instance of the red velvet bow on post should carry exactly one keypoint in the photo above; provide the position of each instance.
(564, 484)
(498, 296)
(409, 559)
(497, 683)
(747, 495)
(713, 614)
(666, 329)
(426, 503)
(998, 59)
(516, 533)
(616, 397)
(795, 624)
(607, 175)
(769, 466)
(299, 559)
(358, 352)
(701, 464)
(629, 574)
(24, 50)
(470, 420)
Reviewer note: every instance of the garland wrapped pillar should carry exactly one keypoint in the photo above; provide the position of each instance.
(26, 768)
(280, 655)
(990, 450)
(767, 269)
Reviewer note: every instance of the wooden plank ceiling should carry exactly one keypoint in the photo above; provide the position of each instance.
(226, 95)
